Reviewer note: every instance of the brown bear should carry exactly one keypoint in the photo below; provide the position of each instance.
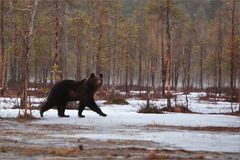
(71, 90)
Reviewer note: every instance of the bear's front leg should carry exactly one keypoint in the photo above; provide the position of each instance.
(99, 111)
(81, 107)
(93, 106)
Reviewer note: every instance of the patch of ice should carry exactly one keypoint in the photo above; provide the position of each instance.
(187, 140)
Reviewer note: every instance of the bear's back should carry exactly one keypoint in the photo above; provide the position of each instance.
(61, 88)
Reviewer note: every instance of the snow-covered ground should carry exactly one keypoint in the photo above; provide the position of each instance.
(124, 123)
(7, 102)
(195, 104)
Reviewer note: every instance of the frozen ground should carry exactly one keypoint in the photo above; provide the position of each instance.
(125, 128)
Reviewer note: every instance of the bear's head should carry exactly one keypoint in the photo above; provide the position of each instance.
(94, 82)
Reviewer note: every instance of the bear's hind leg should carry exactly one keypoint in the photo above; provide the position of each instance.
(46, 106)
(61, 110)
(81, 107)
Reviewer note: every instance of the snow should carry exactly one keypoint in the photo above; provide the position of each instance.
(193, 141)
(129, 125)
(124, 123)
(8, 102)
(195, 104)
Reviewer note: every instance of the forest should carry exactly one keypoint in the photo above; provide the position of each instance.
(177, 60)
(132, 43)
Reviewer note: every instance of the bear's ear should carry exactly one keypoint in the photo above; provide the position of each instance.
(92, 75)
(101, 75)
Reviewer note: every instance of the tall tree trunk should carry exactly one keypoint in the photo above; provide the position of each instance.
(88, 59)
(148, 89)
(177, 63)
(140, 72)
(126, 79)
(109, 60)
(153, 55)
(189, 60)
(115, 48)
(46, 68)
(232, 45)
(35, 71)
(219, 54)
(3, 74)
(93, 34)
(202, 45)
(131, 76)
(50, 61)
(164, 72)
(99, 50)
(57, 58)
(65, 53)
(78, 67)
(201, 67)
(158, 37)
(26, 55)
(168, 57)
(14, 71)
(232, 69)
(78, 74)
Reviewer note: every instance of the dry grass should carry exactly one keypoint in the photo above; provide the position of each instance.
(207, 128)
(119, 101)
(180, 108)
(150, 109)
(237, 113)
(33, 151)
(153, 155)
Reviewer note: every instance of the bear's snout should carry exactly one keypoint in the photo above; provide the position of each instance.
(99, 82)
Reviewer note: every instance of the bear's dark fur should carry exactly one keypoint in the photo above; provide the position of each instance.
(70, 90)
